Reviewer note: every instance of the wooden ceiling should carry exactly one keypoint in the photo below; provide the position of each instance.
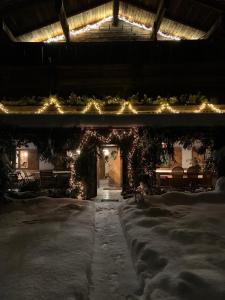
(38, 20)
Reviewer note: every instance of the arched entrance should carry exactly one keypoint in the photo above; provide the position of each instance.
(119, 145)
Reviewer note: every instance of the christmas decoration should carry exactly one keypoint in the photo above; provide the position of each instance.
(51, 101)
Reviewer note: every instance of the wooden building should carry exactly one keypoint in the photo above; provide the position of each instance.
(100, 48)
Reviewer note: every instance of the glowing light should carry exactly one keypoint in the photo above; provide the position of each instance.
(3, 109)
(96, 25)
(130, 157)
(49, 102)
(166, 107)
(90, 105)
(128, 105)
(114, 134)
(80, 31)
(78, 152)
(106, 152)
(142, 26)
(211, 107)
(24, 154)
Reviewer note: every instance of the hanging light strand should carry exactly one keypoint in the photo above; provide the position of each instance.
(51, 101)
(128, 105)
(134, 146)
(208, 106)
(166, 107)
(3, 109)
(91, 104)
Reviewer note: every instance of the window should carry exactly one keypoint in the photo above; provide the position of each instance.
(22, 157)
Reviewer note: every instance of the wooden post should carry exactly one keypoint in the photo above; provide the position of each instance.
(125, 183)
(158, 19)
(115, 12)
(63, 19)
(91, 179)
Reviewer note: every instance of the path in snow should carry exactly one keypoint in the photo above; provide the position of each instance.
(113, 276)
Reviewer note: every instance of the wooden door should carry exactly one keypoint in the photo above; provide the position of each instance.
(91, 179)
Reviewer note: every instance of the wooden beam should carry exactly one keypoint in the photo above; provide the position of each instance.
(116, 5)
(59, 4)
(72, 12)
(5, 33)
(216, 5)
(158, 19)
(213, 29)
(151, 9)
(8, 4)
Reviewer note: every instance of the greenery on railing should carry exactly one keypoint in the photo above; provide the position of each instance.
(75, 100)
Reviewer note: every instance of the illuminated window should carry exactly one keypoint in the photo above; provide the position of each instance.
(22, 159)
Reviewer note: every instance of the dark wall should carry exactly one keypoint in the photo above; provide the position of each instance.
(113, 68)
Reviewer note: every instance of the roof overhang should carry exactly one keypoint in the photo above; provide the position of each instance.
(127, 12)
(94, 120)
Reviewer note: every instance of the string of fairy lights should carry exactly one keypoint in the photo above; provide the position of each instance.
(94, 26)
(114, 135)
(49, 102)
(3, 109)
(125, 107)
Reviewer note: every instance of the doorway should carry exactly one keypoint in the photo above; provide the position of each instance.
(109, 169)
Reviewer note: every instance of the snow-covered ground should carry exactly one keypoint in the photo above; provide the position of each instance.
(178, 250)
(46, 249)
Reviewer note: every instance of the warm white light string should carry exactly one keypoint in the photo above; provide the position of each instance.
(3, 109)
(84, 29)
(166, 107)
(96, 25)
(51, 101)
(128, 105)
(142, 26)
(90, 105)
(211, 107)
(205, 107)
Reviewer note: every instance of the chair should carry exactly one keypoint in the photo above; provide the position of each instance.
(193, 172)
(47, 179)
(177, 172)
(177, 180)
(13, 181)
(28, 176)
(192, 175)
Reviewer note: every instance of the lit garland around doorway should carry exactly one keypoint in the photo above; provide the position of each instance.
(51, 101)
(134, 146)
(113, 135)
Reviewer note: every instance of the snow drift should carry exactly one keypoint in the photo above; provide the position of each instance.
(46, 249)
(178, 245)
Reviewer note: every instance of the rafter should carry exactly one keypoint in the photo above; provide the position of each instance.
(8, 5)
(116, 5)
(5, 33)
(63, 19)
(158, 18)
(213, 29)
(71, 13)
(216, 5)
(151, 9)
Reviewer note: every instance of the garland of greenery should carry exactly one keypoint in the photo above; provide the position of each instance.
(75, 100)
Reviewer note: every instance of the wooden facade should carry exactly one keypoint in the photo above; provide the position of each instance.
(116, 68)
